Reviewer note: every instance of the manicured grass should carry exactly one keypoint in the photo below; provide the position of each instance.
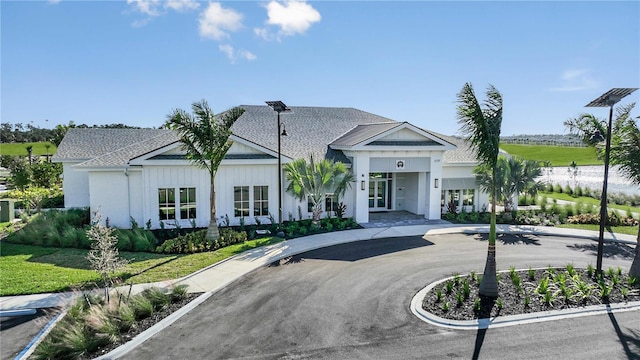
(588, 200)
(21, 148)
(558, 155)
(629, 230)
(30, 269)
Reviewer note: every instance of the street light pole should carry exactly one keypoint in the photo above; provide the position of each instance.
(603, 199)
(279, 106)
(609, 99)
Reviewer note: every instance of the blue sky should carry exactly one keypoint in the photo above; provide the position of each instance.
(133, 62)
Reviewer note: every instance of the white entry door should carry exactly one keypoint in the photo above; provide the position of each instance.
(377, 194)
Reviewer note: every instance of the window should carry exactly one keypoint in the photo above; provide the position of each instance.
(260, 201)
(309, 204)
(167, 203)
(443, 196)
(187, 203)
(468, 197)
(240, 201)
(331, 203)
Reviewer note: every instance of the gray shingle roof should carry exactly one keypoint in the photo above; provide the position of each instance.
(122, 156)
(85, 144)
(462, 154)
(310, 131)
(362, 133)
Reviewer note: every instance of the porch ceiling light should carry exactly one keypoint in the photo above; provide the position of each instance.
(609, 99)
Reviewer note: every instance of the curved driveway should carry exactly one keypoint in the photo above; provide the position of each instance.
(352, 301)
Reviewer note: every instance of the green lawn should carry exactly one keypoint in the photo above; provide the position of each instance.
(26, 269)
(588, 200)
(629, 230)
(21, 148)
(558, 155)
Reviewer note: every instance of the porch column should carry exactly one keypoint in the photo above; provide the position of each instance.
(361, 173)
(433, 205)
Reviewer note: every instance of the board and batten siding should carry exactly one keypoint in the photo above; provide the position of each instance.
(179, 176)
(251, 175)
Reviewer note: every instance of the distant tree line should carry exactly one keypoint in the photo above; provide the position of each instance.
(19, 133)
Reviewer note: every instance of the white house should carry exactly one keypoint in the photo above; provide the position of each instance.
(142, 174)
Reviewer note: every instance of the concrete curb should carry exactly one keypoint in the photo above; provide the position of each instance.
(511, 320)
(33, 344)
(163, 324)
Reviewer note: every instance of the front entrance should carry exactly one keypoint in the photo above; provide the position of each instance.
(379, 194)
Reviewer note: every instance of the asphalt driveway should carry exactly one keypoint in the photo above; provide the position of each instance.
(352, 301)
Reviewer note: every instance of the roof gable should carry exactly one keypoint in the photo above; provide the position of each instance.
(390, 135)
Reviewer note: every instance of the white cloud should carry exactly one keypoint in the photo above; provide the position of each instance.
(233, 54)
(216, 22)
(53, 2)
(292, 17)
(576, 80)
(153, 8)
(181, 5)
(147, 7)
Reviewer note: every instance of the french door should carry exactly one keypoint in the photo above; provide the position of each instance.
(378, 194)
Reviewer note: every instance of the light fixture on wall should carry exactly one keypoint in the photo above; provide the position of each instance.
(362, 185)
(435, 183)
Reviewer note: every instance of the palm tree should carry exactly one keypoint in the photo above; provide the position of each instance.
(206, 141)
(625, 150)
(313, 181)
(481, 125)
(530, 171)
(495, 182)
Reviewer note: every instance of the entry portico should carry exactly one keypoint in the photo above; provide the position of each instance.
(398, 166)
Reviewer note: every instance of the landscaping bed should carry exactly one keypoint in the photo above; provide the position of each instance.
(93, 327)
(530, 291)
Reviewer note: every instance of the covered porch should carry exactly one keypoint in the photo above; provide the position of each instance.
(398, 218)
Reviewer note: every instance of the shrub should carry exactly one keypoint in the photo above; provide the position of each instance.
(578, 191)
(141, 306)
(158, 298)
(557, 188)
(178, 292)
(190, 243)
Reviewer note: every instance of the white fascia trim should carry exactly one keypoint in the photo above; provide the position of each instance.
(141, 160)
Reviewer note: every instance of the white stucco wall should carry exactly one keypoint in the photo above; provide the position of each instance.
(411, 202)
(109, 196)
(75, 185)
(433, 211)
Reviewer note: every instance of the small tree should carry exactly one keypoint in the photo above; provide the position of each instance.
(45, 174)
(20, 172)
(314, 180)
(548, 170)
(104, 256)
(574, 171)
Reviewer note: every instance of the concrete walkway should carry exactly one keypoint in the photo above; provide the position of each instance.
(222, 273)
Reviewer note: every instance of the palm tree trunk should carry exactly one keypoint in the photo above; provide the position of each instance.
(212, 231)
(635, 266)
(489, 283)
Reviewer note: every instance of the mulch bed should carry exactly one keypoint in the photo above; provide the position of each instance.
(512, 301)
